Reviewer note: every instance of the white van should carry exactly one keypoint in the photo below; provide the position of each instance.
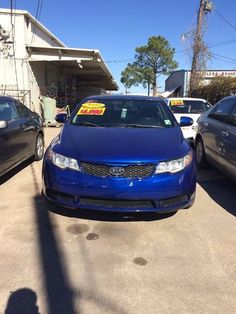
(188, 107)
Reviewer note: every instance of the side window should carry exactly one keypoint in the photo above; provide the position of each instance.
(207, 105)
(23, 110)
(222, 110)
(8, 111)
(232, 118)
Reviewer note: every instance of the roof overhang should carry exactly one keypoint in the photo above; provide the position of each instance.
(33, 21)
(169, 92)
(86, 63)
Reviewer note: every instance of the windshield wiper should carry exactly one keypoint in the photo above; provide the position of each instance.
(134, 125)
(87, 124)
(120, 125)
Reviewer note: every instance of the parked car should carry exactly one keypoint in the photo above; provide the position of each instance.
(21, 134)
(190, 107)
(120, 153)
(216, 137)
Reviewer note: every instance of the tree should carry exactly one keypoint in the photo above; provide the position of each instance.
(217, 89)
(130, 76)
(150, 60)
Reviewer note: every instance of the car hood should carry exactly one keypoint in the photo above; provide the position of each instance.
(120, 145)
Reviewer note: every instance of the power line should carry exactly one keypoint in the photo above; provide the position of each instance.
(13, 26)
(227, 58)
(217, 44)
(37, 17)
(120, 61)
(224, 60)
(221, 43)
(224, 19)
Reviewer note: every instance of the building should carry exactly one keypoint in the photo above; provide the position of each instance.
(34, 63)
(177, 83)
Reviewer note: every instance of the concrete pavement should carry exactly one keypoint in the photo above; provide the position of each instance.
(59, 261)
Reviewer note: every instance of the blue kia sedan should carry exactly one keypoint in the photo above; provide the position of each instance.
(120, 153)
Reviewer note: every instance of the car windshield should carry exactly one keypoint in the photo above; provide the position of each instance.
(123, 113)
(189, 106)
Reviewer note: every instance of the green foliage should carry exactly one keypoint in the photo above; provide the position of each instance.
(217, 89)
(150, 60)
(131, 76)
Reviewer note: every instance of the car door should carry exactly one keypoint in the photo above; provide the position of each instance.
(214, 127)
(28, 126)
(11, 138)
(229, 143)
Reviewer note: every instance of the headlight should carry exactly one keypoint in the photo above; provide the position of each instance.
(63, 162)
(175, 165)
(194, 127)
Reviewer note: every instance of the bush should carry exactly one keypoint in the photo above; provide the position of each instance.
(217, 89)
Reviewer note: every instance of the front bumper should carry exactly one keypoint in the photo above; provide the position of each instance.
(159, 193)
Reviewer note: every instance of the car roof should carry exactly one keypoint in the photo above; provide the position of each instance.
(185, 98)
(7, 97)
(229, 97)
(125, 97)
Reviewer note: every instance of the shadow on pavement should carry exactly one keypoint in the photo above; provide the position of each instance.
(15, 170)
(60, 295)
(58, 290)
(221, 189)
(22, 301)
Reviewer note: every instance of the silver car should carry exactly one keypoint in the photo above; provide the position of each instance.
(216, 137)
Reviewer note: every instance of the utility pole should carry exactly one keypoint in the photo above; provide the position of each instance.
(205, 6)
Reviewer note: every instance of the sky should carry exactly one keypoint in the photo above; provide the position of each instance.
(117, 27)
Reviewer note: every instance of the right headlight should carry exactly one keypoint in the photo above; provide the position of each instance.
(176, 165)
(61, 161)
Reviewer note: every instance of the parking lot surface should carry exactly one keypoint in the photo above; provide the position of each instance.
(60, 261)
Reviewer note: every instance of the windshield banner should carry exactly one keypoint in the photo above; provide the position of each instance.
(92, 109)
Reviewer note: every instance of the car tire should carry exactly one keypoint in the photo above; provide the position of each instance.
(39, 147)
(200, 154)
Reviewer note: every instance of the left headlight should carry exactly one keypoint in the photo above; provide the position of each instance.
(174, 165)
(63, 162)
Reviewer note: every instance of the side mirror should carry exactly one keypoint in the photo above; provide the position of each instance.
(3, 124)
(61, 117)
(186, 121)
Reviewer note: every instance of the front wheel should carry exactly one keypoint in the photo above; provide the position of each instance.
(200, 154)
(39, 147)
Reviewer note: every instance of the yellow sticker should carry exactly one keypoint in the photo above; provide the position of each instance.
(176, 102)
(92, 109)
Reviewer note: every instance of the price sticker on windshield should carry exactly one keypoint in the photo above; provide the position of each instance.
(177, 102)
(92, 109)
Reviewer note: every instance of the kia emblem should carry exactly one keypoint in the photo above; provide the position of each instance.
(117, 171)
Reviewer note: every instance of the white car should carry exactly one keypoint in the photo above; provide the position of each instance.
(188, 107)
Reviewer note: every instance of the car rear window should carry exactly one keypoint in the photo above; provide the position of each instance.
(189, 106)
(123, 113)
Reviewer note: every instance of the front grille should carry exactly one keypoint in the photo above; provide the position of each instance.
(173, 201)
(117, 203)
(132, 171)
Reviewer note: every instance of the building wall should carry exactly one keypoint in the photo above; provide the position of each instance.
(85, 91)
(36, 37)
(17, 74)
(13, 64)
(176, 79)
